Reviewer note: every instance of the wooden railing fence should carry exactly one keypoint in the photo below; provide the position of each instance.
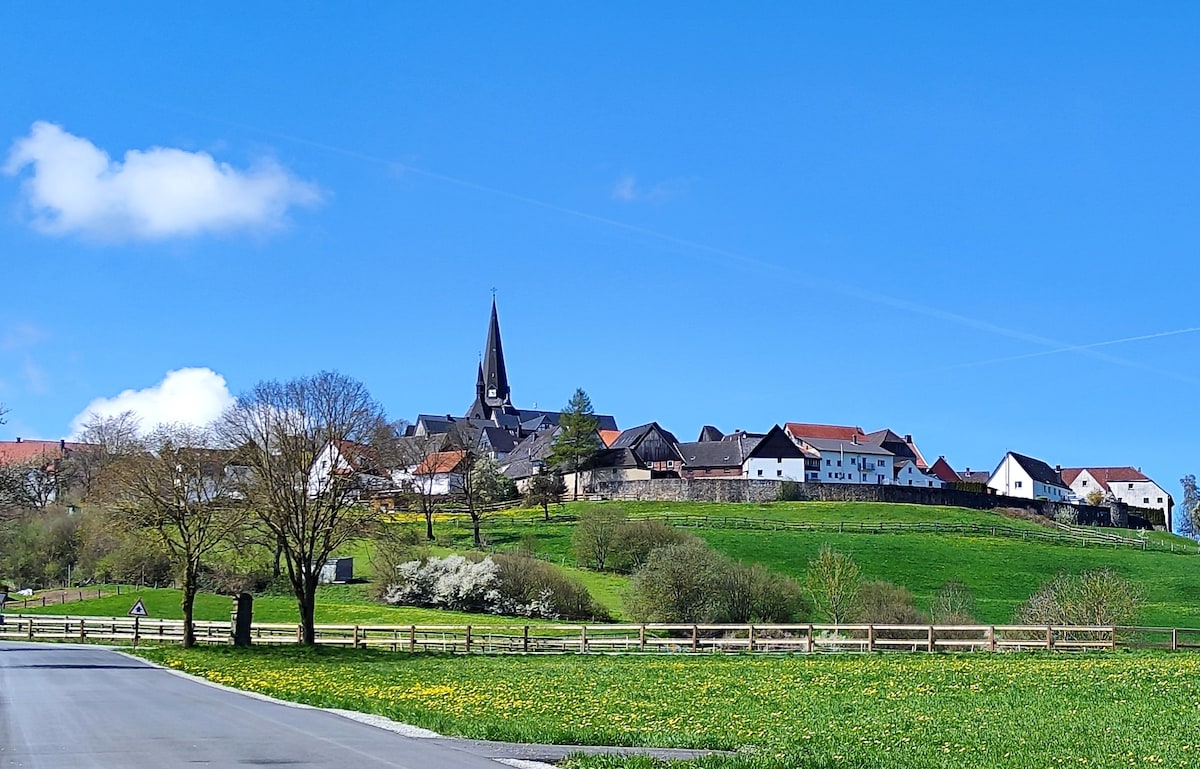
(627, 638)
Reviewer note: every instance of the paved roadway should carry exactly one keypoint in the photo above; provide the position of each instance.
(73, 707)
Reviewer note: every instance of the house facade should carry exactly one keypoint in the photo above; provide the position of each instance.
(1124, 484)
(1025, 477)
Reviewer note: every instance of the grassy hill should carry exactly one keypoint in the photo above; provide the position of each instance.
(1002, 571)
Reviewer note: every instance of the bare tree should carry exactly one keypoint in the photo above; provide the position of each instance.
(418, 457)
(279, 429)
(182, 489)
(834, 581)
(103, 440)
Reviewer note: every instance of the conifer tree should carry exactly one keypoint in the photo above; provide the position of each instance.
(577, 442)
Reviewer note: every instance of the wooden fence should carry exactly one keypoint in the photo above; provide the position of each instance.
(628, 639)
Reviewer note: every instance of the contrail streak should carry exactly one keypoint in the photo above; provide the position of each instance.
(842, 288)
(1076, 348)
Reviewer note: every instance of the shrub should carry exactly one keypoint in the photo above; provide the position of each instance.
(1097, 597)
(953, 605)
(394, 545)
(1067, 517)
(595, 535)
(886, 603)
(634, 540)
(532, 588)
(511, 584)
(691, 582)
(833, 582)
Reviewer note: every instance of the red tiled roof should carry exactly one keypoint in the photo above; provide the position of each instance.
(942, 470)
(608, 436)
(440, 462)
(827, 432)
(1105, 475)
(20, 452)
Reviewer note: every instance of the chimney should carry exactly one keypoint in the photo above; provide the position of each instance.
(62, 444)
(908, 438)
(854, 439)
(1058, 468)
(18, 439)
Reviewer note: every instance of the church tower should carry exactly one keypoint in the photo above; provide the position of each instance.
(491, 385)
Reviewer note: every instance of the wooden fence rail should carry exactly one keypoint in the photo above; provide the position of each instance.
(628, 638)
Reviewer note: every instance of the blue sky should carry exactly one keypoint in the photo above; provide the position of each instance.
(736, 216)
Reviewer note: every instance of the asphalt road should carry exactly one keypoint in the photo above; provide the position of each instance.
(72, 707)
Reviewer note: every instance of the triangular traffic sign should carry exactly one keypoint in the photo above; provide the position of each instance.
(139, 609)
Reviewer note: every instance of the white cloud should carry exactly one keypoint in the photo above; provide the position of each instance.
(195, 396)
(152, 194)
(628, 190)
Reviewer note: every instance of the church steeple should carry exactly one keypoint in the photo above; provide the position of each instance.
(493, 374)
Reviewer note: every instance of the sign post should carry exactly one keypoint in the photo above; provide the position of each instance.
(137, 612)
(3, 598)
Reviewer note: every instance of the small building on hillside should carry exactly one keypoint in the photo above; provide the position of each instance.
(906, 473)
(1123, 484)
(1022, 476)
(655, 447)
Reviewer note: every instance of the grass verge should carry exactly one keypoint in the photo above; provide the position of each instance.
(899, 711)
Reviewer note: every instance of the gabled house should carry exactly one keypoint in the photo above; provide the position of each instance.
(528, 457)
(655, 447)
(906, 473)
(846, 456)
(942, 470)
(775, 456)
(716, 458)
(1021, 476)
(346, 460)
(1124, 484)
(901, 447)
(440, 473)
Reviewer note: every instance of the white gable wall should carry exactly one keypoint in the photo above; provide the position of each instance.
(774, 468)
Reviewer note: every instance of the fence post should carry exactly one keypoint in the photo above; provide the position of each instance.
(1174, 639)
(870, 638)
(583, 639)
(136, 629)
(299, 633)
(412, 638)
(356, 636)
(810, 639)
(525, 640)
(82, 630)
(30, 628)
(752, 638)
(695, 637)
(992, 638)
(931, 646)
(1049, 638)
(468, 639)
(642, 638)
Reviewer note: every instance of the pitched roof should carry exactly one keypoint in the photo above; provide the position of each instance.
(900, 445)
(522, 461)
(709, 433)
(22, 451)
(975, 476)
(1105, 475)
(942, 469)
(618, 458)
(828, 432)
(498, 438)
(440, 462)
(712, 454)
(835, 445)
(608, 436)
(1038, 470)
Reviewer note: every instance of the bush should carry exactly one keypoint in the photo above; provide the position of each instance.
(634, 540)
(691, 582)
(1097, 597)
(953, 605)
(885, 603)
(511, 584)
(532, 588)
(394, 545)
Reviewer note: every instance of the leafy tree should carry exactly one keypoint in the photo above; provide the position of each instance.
(1095, 497)
(833, 580)
(546, 488)
(679, 583)
(1097, 597)
(596, 534)
(577, 443)
(279, 429)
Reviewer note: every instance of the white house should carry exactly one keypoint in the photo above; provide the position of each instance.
(1124, 484)
(438, 474)
(777, 457)
(851, 461)
(340, 459)
(1020, 476)
(908, 474)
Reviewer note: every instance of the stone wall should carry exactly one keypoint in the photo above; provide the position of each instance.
(753, 490)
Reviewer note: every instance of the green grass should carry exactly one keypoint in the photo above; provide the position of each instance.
(903, 711)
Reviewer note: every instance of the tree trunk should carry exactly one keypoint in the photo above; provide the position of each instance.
(189, 602)
(475, 525)
(306, 600)
(429, 524)
(278, 557)
(546, 510)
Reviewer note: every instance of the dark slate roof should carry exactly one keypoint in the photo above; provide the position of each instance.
(833, 445)
(975, 476)
(1038, 470)
(711, 454)
(616, 458)
(499, 439)
(775, 444)
(709, 433)
(535, 448)
(635, 435)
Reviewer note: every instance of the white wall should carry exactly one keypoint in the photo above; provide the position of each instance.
(1010, 479)
(774, 468)
(850, 469)
(910, 475)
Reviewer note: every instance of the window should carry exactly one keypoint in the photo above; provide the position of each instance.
(1130, 486)
(778, 473)
(1018, 484)
(1084, 483)
(670, 463)
(779, 460)
(839, 463)
(854, 460)
(1160, 500)
(931, 483)
(828, 462)
(830, 475)
(1145, 500)
(760, 473)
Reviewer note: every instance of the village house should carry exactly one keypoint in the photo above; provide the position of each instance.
(1123, 484)
(770, 455)
(906, 473)
(655, 447)
(1021, 476)
(846, 454)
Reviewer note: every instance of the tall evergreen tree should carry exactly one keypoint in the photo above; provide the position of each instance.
(577, 442)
